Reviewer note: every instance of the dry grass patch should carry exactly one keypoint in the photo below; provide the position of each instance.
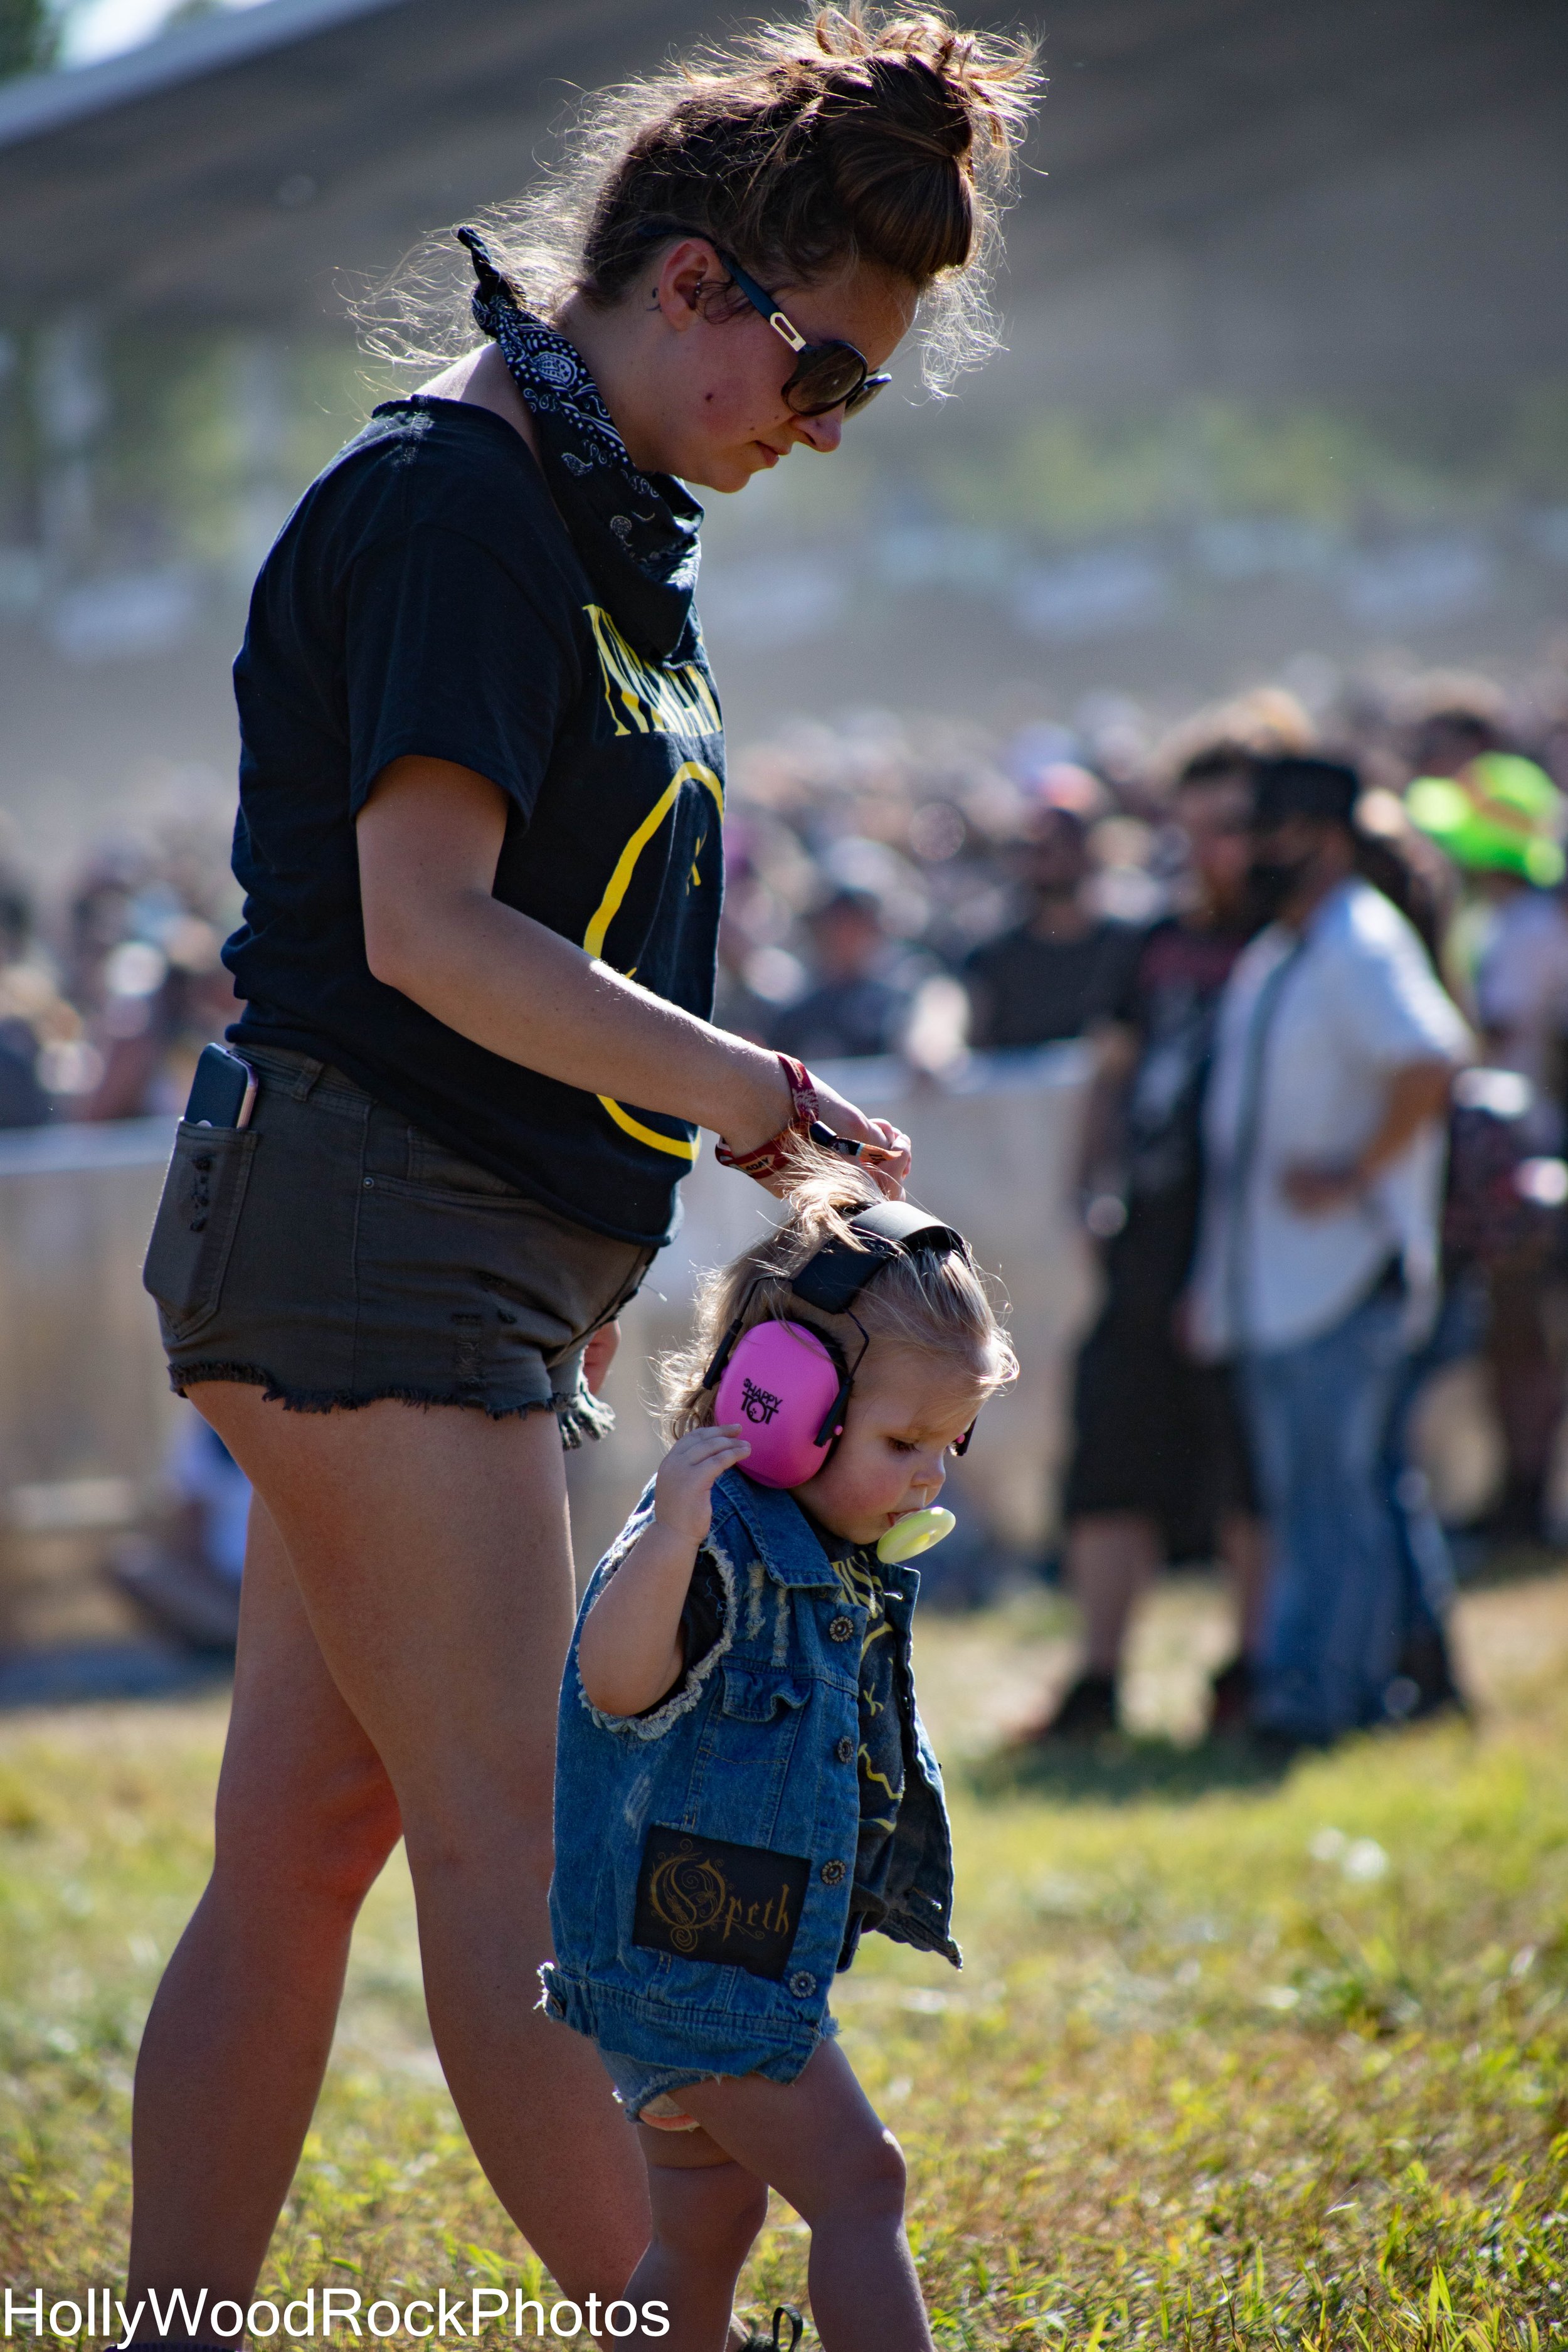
(1234, 2062)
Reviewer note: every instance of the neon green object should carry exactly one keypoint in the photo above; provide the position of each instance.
(913, 1535)
(1501, 814)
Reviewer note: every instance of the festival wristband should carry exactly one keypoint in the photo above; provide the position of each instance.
(771, 1158)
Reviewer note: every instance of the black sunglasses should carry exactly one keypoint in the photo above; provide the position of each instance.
(827, 375)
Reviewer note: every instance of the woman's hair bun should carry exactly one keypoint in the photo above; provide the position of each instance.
(926, 78)
(900, 99)
(904, 107)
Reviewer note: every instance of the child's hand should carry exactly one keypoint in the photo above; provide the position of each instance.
(683, 1491)
(599, 1355)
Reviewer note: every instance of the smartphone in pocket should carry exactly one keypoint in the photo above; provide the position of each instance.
(223, 1092)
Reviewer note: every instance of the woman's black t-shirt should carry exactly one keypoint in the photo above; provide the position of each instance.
(425, 598)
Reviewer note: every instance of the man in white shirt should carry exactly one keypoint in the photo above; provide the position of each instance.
(1317, 1266)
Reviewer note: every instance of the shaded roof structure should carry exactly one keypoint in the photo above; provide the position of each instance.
(1396, 172)
(224, 172)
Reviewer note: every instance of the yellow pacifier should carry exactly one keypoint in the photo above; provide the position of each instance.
(915, 1533)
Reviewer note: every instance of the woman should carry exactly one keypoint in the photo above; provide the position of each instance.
(479, 834)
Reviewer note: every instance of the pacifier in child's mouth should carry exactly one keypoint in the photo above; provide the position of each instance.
(913, 1534)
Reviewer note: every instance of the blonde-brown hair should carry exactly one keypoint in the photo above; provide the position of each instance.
(857, 134)
(944, 1304)
(1263, 723)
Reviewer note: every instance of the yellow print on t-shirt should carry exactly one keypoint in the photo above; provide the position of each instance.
(691, 771)
(646, 697)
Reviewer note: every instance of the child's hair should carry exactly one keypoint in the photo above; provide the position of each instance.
(939, 1304)
(859, 133)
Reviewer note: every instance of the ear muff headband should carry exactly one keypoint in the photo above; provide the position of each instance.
(833, 1280)
(832, 1428)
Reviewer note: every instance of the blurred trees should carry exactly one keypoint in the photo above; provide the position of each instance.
(29, 36)
(32, 33)
(1068, 475)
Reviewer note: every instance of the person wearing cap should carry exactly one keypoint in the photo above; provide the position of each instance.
(1317, 1263)
(1499, 818)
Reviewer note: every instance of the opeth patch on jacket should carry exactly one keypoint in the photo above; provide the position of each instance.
(704, 1900)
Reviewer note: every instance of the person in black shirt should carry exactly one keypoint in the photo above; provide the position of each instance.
(1159, 1468)
(859, 1005)
(481, 787)
(432, 553)
(1063, 967)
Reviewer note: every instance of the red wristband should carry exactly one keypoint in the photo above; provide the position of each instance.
(802, 1103)
(771, 1158)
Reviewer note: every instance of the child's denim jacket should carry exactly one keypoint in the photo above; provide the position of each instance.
(705, 1852)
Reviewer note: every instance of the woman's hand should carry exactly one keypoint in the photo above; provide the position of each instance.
(683, 1491)
(821, 1113)
(889, 1154)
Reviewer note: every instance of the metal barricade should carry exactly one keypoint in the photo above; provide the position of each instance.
(85, 1411)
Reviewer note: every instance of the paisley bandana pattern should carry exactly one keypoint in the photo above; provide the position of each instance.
(635, 533)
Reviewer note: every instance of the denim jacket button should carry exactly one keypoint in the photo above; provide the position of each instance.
(844, 1751)
(840, 1628)
(833, 1874)
(802, 1984)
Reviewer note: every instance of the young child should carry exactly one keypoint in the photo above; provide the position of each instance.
(743, 1784)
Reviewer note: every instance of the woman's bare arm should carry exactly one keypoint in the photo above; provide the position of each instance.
(429, 837)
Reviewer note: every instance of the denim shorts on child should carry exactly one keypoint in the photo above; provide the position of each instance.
(651, 2095)
(333, 1254)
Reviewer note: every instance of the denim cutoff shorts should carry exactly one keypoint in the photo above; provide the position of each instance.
(636, 2083)
(333, 1253)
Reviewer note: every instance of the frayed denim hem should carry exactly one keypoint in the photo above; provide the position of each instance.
(580, 1416)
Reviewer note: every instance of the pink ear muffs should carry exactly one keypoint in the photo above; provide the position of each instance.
(789, 1394)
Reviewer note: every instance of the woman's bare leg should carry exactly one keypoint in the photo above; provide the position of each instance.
(237, 2044)
(430, 1552)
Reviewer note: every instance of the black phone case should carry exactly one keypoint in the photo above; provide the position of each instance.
(217, 1090)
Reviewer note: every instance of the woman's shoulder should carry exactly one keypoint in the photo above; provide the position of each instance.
(421, 464)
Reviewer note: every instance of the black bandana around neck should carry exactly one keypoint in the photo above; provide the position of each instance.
(635, 533)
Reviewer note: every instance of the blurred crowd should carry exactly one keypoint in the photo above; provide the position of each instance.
(110, 989)
(1322, 960)
(1318, 949)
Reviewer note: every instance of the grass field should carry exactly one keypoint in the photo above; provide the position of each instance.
(1232, 2062)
